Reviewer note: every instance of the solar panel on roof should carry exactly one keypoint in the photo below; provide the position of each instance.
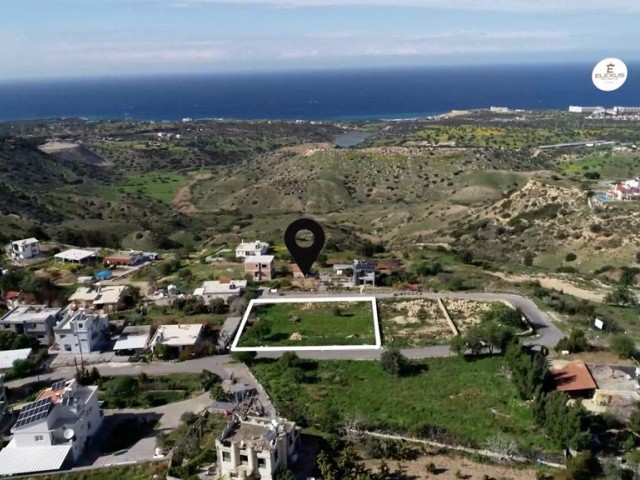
(34, 411)
(58, 385)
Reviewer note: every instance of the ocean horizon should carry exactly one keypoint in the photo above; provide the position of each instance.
(348, 95)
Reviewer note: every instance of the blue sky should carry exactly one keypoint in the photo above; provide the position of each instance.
(44, 38)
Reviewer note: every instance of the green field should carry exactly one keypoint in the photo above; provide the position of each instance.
(319, 324)
(471, 400)
(610, 167)
(160, 186)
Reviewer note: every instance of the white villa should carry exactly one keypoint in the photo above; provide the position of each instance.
(256, 446)
(177, 336)
(53, 431)
(80, 331)
(224, 289)
(25, 249)
(251, 249)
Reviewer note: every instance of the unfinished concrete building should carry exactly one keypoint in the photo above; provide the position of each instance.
(256, 447)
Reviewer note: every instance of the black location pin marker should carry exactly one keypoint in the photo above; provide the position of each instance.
(304, 256)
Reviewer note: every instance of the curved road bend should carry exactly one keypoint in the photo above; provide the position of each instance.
(548, 335)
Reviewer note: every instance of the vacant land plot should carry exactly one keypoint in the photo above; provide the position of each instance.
(142, 471)
(309, 324)
(160, 186)
(612, 167)
(413, 323)
(466, 313)
(469, 402)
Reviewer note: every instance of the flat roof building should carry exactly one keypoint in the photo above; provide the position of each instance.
(100, 297)
(81, 331)
(53, 431)
(33, 320)
(25, 249)
(251, 249)
(224, 289)
(133, 338)
(177, 336)
(260, 267)
(7, 357)
(75, 255)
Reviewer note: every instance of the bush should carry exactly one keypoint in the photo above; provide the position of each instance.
(244, 357)
(394, 363)
(570, 257)
(623, 346)
(576, 342)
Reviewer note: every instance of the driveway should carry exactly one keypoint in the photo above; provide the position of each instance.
(169, 416)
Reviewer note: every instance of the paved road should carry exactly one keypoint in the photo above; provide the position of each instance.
(547, 334)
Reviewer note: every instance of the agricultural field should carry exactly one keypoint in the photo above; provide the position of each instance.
(309, 324)
(470, 402)
(413, 323)
(160, 186)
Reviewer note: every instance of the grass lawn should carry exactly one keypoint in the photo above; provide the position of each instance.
(318, 324)
(612, 167)
(161, 186)
(472, 401)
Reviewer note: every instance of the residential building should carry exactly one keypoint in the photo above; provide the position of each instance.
(34, 320)
(7, 357)
(177, 336)
(251, 249)
(575, 380)
(256, 446)
(586, 110)
(224, 289)
(260, 267)
(364, 272)
(53, 431)
(228, 332)
(128, 259)
(80, 331)
(389, 266)
(133, 339)
(109, 298)
(25, 249)
(75, 255)
(13, 299)
(626, 110)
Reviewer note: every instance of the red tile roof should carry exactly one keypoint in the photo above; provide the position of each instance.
(11, 295)
(573, 377)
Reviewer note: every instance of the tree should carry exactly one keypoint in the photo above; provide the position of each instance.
(22, 368)
(570, 257)
(217, 305)
(208, 379)
(637, 257)
(621, 296)
(394, 362)
(218, 394)
(466, 256)
(576, 342)
(623, 345)
(121, 391)
(337, 311)
(528, 259)
(474, 340)
(285, 475)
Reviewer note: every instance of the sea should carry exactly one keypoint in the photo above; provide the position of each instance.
(367, 94)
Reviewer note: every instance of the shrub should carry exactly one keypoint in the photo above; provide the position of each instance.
(570, 257)
(394, 363)
(623, 346)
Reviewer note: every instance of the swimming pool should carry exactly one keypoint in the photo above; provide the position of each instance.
(603, 197)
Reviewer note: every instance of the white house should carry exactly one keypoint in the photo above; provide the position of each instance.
(177, 336)
(251, 249)
(76, 255)
(53, 431)
(109, 297)
(24, 249)
(256, 446)
(80, 331)
(34, 320)
(224, 289)
(133, 338)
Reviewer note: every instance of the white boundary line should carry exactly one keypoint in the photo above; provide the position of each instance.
(266, 301)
